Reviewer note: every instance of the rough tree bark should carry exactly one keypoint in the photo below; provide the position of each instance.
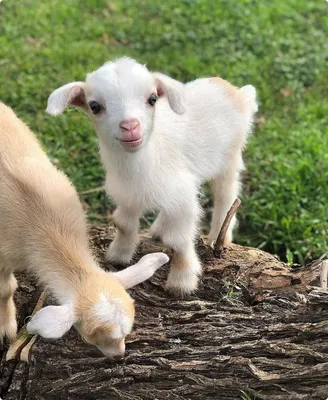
(254, 325)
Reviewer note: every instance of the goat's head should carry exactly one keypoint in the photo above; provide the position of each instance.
(120, 98)
(101, 309)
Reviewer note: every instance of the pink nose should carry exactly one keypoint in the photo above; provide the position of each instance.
(129, 125)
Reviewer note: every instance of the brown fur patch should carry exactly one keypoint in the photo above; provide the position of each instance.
(231, 92)
(179, 261)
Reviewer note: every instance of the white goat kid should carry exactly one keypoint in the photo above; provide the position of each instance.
(43, 230)
(159, 141)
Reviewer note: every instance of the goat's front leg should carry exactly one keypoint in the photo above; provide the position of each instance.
(125, 242)
(8, 323)
(177, 230)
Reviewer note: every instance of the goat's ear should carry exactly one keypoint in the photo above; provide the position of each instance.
(52, 322)
(173, 90)
(70, 94)
(143, 270)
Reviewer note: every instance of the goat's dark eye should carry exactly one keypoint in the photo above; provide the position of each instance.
(95, 107)
(152, 99)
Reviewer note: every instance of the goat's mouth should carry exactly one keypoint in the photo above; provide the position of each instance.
(131, 143)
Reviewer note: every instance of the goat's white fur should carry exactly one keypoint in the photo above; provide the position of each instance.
(43, 230)
(111, 313)
(195, 133)
(52, 322)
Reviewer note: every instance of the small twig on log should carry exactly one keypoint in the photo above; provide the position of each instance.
(219, 244)
(324, 274)
(24, 339)
(26, 351)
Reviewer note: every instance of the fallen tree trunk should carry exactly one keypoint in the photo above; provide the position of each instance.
(255, 325)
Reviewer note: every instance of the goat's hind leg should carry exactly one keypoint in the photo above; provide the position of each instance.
(225, 189)
(8, 285)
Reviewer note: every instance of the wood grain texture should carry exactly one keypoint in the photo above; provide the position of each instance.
(254, 325)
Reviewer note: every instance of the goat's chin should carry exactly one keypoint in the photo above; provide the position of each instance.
(132, 149)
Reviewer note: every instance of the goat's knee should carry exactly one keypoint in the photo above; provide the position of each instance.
(177, 228)
(8, 324)
(126, 239)
(8, 286)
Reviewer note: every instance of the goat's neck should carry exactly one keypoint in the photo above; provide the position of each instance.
(64, 265)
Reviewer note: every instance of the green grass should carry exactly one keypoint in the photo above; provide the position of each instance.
(280, 47)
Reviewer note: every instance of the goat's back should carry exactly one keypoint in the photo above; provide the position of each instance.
(36, 200)
(215, 126)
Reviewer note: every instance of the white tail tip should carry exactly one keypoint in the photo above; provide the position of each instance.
(249, 92)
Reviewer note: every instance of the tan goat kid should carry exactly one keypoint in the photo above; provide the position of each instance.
(43, 230)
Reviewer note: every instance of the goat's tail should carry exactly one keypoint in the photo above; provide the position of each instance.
(248, 94)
